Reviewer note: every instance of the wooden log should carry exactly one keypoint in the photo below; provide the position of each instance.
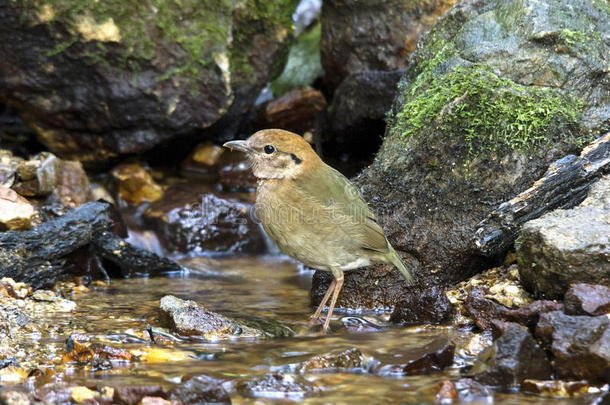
(564, 185)
(131, 260)
(37, 256)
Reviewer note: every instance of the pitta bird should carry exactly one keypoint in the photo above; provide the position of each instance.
(312, 212)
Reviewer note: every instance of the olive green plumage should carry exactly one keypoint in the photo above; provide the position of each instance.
(312, 212)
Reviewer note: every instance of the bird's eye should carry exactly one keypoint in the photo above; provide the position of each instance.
(269, 149)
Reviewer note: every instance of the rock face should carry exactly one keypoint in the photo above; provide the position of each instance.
(373, 34)
(99, 80)
(567, 246)
(445, 163)
(191, 218)
(580, 345)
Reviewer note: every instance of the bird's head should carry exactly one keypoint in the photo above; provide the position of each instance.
(277, 154)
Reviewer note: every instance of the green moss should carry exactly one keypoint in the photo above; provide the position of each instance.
(572, 37)
(486, 111)
(189, 30)
(304, 65)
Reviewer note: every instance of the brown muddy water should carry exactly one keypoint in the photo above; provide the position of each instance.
(267, 287)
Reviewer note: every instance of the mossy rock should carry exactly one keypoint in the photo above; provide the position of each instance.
(497, 91)
(99, 79)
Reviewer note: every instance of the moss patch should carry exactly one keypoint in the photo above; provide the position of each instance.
(488, 112)
(188, 34)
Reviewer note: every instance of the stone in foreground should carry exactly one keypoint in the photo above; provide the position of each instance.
(191, 319)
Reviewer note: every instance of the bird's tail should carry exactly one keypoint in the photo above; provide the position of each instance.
(397, 261)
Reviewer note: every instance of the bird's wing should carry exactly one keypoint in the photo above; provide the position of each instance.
(338, 194)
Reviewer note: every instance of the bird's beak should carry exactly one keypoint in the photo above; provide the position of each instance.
(241, 146)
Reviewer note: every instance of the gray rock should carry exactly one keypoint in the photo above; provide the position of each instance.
(99, 81)
(191, 319)
(587, 299)
(349, 359)
(565, 247)
(514, 357)
(200, 389)
(599, 194)
(467, 133)
(580, 345)
(278, 385)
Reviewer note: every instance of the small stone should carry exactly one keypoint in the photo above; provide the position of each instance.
(555, 389)
(339, 360)
(14, 398)
(471, 391)
(587, 299)
(191, 319)
(132, 395)
(514, 357)
(427, 306)
(207, 154)
(82, 394)
(447, 392)
(439, 356)
(45, 295)
(580, 345)
(194, 219)
(200, 389)
(155, 401)
(235, 173)
(278, 385)
(296, 111)
(136, 185)
(16, 213)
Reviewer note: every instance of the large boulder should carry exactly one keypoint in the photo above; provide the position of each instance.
(99, 79)
(497, 91)
(362, 35)
(567, 246)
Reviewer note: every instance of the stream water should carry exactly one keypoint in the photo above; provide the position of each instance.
(268, 287)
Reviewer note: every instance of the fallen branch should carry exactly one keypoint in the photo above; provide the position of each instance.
(564, 185)
(37, 256)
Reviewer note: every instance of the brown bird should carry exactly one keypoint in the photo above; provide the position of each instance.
(312, 212)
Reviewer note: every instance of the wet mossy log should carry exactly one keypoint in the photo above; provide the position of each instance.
(564, 185)
(37, 256)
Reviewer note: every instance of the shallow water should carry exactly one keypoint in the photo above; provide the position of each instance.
(272, 288)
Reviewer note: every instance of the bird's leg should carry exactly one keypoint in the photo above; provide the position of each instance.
(338, 285)
(329, 291)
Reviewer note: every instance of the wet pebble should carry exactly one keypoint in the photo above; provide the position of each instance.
(278, 385)
(514, 357)
(339, 360)
(579, 345)
(132, 395)
(555, 388)
(587, 299)
(200, 389)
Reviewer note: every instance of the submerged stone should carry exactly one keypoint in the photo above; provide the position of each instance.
(278, 385)
(136, 184)
(200, 389)
(335, 361)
